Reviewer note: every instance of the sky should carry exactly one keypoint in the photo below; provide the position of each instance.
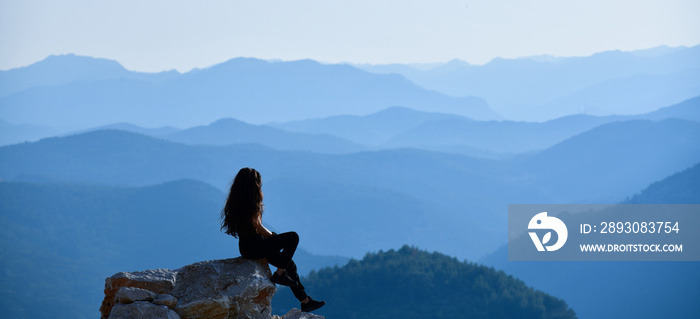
(157, 35)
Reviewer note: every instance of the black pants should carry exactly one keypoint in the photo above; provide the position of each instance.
(279, 250)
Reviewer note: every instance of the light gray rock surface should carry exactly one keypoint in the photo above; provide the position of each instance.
(131, 294)
(231, 288)
(298, 314)
(160, 281)
(142, 309)
(216, 289)
(166, 300)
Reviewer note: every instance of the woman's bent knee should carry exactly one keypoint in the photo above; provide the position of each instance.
(293, 236)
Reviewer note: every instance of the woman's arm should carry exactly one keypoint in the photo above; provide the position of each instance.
(260, 229)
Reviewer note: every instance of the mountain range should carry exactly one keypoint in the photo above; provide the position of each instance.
(231, 131)
(608, 147)
(415, 190)
(75, 92)
(543, 88)
(247, 89)
(399, 127)
(392, 128)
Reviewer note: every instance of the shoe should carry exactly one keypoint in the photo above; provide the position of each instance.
(283, 280)
(312, 305)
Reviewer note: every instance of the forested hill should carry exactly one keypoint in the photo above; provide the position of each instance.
(680, 188)
(411, 283)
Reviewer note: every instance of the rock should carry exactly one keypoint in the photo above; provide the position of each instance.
(298, 314)
(142, 309)
(160, 281)
(166, 300)
(131, 294)
(229, 288)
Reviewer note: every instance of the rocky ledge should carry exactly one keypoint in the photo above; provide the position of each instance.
(216, 289)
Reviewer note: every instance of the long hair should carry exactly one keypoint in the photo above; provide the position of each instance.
(244, 204)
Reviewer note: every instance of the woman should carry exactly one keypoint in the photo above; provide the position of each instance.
(242, 218)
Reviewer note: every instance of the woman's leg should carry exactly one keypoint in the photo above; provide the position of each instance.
(298, 290)
(280, 249)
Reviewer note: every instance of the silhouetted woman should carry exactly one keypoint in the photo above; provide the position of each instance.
(242, 218)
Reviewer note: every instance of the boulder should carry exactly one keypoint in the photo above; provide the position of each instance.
(229, 288)
(160, 281)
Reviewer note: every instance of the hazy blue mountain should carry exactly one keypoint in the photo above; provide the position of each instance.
(18, 133)
(155, 132)
(251, 90)
(394, 127)
(61, 241)
(629, 155)
(401, 127)
(69, 68)
(657, 51)
(524, 87)
(637, 94)
(518, 137)
(686, 110)
(410, 283)
(495, 136)
(371, 129)
(680, 188)
(282, 88)
(231, 131)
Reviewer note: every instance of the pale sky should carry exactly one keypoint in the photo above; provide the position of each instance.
(156, 35)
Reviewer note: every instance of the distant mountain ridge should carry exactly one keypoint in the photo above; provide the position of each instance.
(400, 127)
(680, 188)
(618, 142)
(230, 131)
(372, 129)
(391, 128)
(69, 68)
(633, 95)
(247, 89)
(536, 89)
(14, 133)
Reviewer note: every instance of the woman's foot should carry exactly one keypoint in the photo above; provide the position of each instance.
(309, 304)
(283, 279)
